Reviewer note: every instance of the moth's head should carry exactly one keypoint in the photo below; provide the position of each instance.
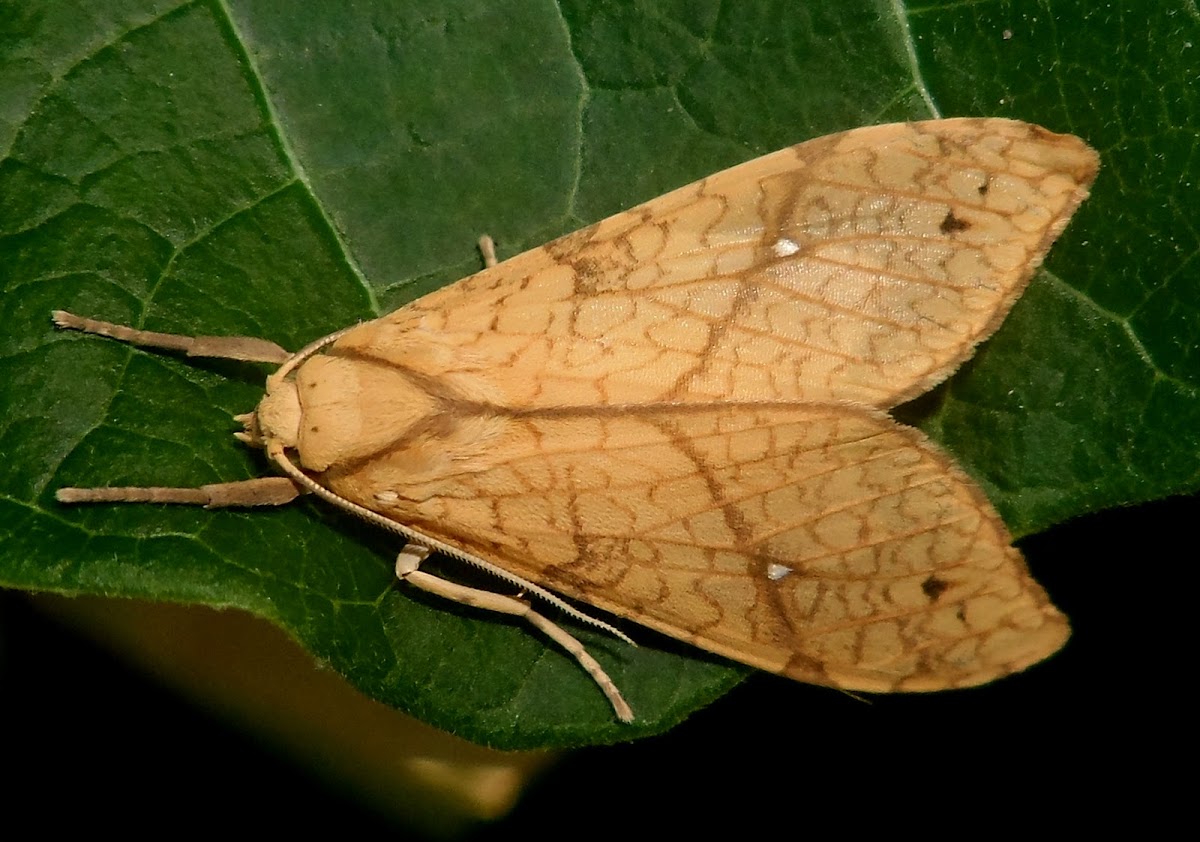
(277, 418)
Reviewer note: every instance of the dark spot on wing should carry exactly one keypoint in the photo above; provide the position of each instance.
(933, 587)
(952, 223)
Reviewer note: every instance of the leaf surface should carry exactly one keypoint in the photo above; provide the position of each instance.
(239, 168)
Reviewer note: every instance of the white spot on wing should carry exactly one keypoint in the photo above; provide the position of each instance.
(775, 572)
(387, 497)
(785, 248)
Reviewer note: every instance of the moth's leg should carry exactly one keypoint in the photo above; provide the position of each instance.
(264, 491)
(407, 564)
(246, 348)
(487, 247)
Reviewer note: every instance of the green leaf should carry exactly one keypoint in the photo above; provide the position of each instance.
(245, 168)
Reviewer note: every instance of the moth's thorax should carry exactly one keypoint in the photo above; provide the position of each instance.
(278, 414)
(349, 409)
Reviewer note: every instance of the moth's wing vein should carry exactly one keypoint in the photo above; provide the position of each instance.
(518, 333)
(872, 554)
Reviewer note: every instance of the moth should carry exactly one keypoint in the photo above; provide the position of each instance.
(678, 415)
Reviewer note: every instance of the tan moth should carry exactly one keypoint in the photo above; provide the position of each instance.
(677, 415)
